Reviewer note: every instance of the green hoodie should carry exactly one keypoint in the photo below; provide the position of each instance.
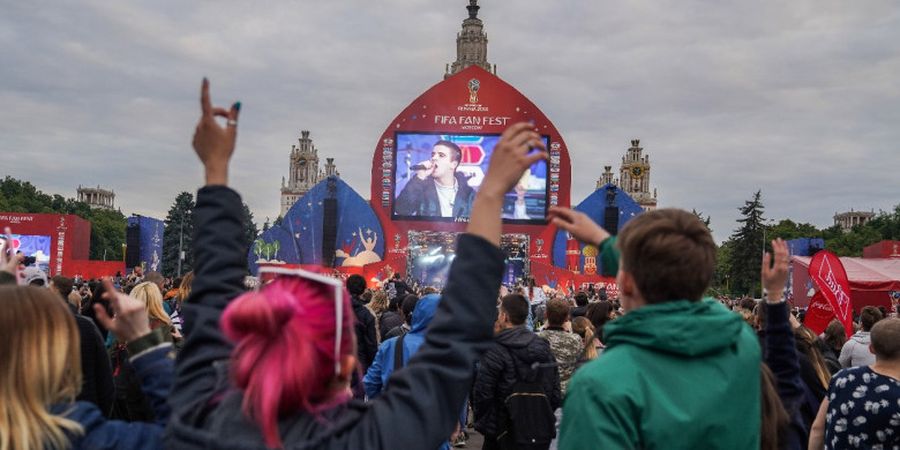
(674, 375)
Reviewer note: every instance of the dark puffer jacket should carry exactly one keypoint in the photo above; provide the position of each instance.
(206, 415)
(366, 344)
(515, 350)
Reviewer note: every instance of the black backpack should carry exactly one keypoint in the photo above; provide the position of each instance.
(530, 421)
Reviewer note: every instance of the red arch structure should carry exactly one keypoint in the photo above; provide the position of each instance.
(472, 101)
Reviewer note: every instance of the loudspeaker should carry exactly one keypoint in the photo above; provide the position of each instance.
(133, 243)
(611, 220)
(329, 231)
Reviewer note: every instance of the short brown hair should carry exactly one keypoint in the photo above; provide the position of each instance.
(63, 284)
(868, 317)
(886, 339)
(670, 253)
(557, 312)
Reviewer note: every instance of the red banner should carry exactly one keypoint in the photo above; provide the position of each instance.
(819, 314)
(827, 272)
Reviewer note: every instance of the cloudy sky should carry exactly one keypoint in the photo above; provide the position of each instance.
(800, 99)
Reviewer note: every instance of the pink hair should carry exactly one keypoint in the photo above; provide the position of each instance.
(284, 350)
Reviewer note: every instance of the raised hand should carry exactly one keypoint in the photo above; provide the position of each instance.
(130, 320)
(774, 273)
(9, 261)
(511, 157)
(213, 143)
(578, 224)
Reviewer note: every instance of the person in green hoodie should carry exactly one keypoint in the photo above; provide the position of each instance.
(679, 371)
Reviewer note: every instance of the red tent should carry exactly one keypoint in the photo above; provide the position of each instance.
(871, 280)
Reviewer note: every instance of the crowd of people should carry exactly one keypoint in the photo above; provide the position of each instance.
(303, 361)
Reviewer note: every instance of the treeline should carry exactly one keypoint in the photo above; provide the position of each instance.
(737, 271)
(107, 226)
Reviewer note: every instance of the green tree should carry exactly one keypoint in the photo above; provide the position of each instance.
(22, 196)
(107, 226)
(788, 229)
(721, 282)
(743, 273)
(703, 219)
(107, 234)
(179, 227)
(852, 242)
(250, 230)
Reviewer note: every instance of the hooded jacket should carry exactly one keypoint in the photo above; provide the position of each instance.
(383, 365)
(855, 351)
(207, 410)
(514, 351)
(674, 375)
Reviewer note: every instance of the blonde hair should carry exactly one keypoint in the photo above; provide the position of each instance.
(40, 365)
(149, 293)
(379, 302)
(584, 328)
(74, 299)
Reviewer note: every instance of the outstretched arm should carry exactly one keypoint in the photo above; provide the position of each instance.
(780, 351)
(586, 230)
(441, 371)
(219, 255)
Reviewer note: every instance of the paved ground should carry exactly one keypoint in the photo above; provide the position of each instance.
(475, 440)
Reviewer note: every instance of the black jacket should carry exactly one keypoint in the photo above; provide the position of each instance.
(389, 321)
(420, 198)
(97, 384)
(366, 343)
(422, 398)
(514, 350)
(782, 357)
(579, 311)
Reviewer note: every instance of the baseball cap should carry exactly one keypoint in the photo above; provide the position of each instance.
(35, 276)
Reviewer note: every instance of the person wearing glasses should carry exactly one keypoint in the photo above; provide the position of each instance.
(272, 368)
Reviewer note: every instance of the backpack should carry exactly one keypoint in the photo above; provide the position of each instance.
(530, 421)
(130, 403)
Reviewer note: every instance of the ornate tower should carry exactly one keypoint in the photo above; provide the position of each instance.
(606, 178)
(635, 176)
(471, 44)
(304, 172)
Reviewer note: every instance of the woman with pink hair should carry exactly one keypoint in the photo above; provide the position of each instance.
(272, 368)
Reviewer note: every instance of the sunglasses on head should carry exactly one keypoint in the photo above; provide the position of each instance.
(330, 282)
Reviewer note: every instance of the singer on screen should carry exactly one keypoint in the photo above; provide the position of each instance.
(437, 190)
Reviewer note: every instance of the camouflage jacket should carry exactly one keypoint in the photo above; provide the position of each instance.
(567, 349)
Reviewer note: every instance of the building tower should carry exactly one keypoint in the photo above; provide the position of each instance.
(471, 44)
(304, 171)
(97, 197)
(634, 176)
(606, 178)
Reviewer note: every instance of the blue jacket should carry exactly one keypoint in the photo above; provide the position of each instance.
(383, 365)
(155, 370)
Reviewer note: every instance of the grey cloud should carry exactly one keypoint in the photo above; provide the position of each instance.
(799, 99)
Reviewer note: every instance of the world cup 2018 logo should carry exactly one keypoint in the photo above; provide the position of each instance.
(474, 84)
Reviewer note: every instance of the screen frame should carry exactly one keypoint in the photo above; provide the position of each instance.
(542, 220)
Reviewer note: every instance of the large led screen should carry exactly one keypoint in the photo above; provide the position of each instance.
(31, 245)
(437, 175)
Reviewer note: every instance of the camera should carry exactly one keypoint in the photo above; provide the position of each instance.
(29, 260)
